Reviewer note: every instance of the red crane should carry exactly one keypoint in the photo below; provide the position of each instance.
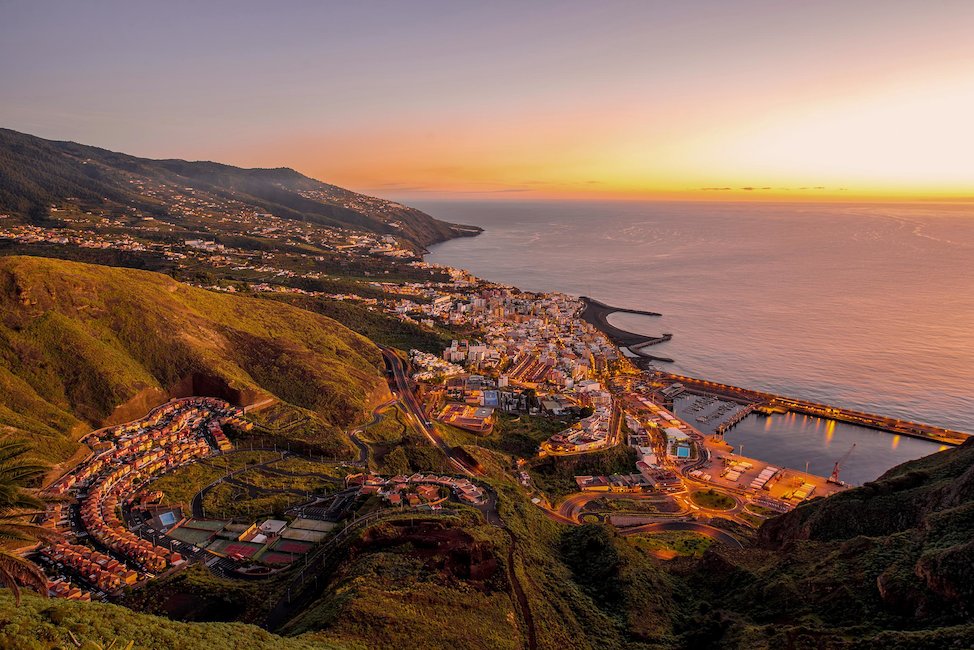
(834, 478)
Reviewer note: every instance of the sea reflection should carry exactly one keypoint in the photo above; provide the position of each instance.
(792, 441)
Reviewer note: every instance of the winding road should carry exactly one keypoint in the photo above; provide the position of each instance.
(689, 526)
(414, 410)
(363, 448)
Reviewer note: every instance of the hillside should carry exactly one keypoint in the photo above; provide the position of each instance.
(40, 624)
(79, 341)
(36, 174)
(887, 564)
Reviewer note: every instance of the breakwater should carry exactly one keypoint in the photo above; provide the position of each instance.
(769, 402)
(597, 313)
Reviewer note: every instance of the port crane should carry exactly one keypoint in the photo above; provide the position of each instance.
(834, 478)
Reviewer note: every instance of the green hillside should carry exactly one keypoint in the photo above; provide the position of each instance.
(813, 580)
(889, 564)
(41, 624)
(78, 341)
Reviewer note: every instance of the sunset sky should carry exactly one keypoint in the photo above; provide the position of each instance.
(523, 99)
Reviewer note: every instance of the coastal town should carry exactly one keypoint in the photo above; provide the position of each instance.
(526, 355)
(487, 326)
(540, 356)
(536, 355)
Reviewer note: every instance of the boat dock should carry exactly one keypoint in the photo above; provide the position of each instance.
(769, 403)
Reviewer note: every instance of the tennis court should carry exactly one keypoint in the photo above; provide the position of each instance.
(313, 524)
(311, 536)
(291, 546)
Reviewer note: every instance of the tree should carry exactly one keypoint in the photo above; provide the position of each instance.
(17, 503)
(396, 462)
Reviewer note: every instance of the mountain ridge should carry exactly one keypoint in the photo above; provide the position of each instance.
(37, 174)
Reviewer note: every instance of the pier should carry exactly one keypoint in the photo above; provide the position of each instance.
(769, 402)
(597, 313)
(737, 417)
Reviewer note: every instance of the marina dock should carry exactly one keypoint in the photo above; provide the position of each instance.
(770, 403)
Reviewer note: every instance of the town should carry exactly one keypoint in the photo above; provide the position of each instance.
(115, 531)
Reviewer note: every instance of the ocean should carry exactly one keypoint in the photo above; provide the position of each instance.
(867, 306)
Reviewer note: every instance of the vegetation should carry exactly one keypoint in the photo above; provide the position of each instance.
(712, 499)
(396, 448)
(389, 429)
(271, 479)
(16, 502)
(36, 173)
(667, 545)
(183, 483)
(230, 501)
(513, 435)
(432, 581)
(634, 506)
(41, 624)
(890, 564)
(450, 581)
(78, 341)
(555, 475)
(375, 325)
(522, 435)
(751, 519)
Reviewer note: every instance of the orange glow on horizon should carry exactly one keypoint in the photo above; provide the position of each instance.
(904, 142)
(746, 101)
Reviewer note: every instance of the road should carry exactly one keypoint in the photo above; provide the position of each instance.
(571, 508)
(688, 526)
(363, 449)
(415, 411)
(489, 510)
(197, 503)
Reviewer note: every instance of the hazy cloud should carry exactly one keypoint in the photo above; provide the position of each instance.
(765, 188)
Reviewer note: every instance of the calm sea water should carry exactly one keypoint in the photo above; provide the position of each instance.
(864, 306)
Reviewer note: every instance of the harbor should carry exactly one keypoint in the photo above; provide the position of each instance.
(597, 313)
(805, 439)
(769, 404)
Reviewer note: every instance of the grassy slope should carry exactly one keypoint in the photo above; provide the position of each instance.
(887, 564)
(46, 624)
(375, 325)
(399, 592)
(812, 583)
(77, 340)
(385, 596)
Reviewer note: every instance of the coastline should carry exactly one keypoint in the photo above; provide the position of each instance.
(596, 313)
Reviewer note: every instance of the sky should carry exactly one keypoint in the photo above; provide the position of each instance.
(425, 100)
